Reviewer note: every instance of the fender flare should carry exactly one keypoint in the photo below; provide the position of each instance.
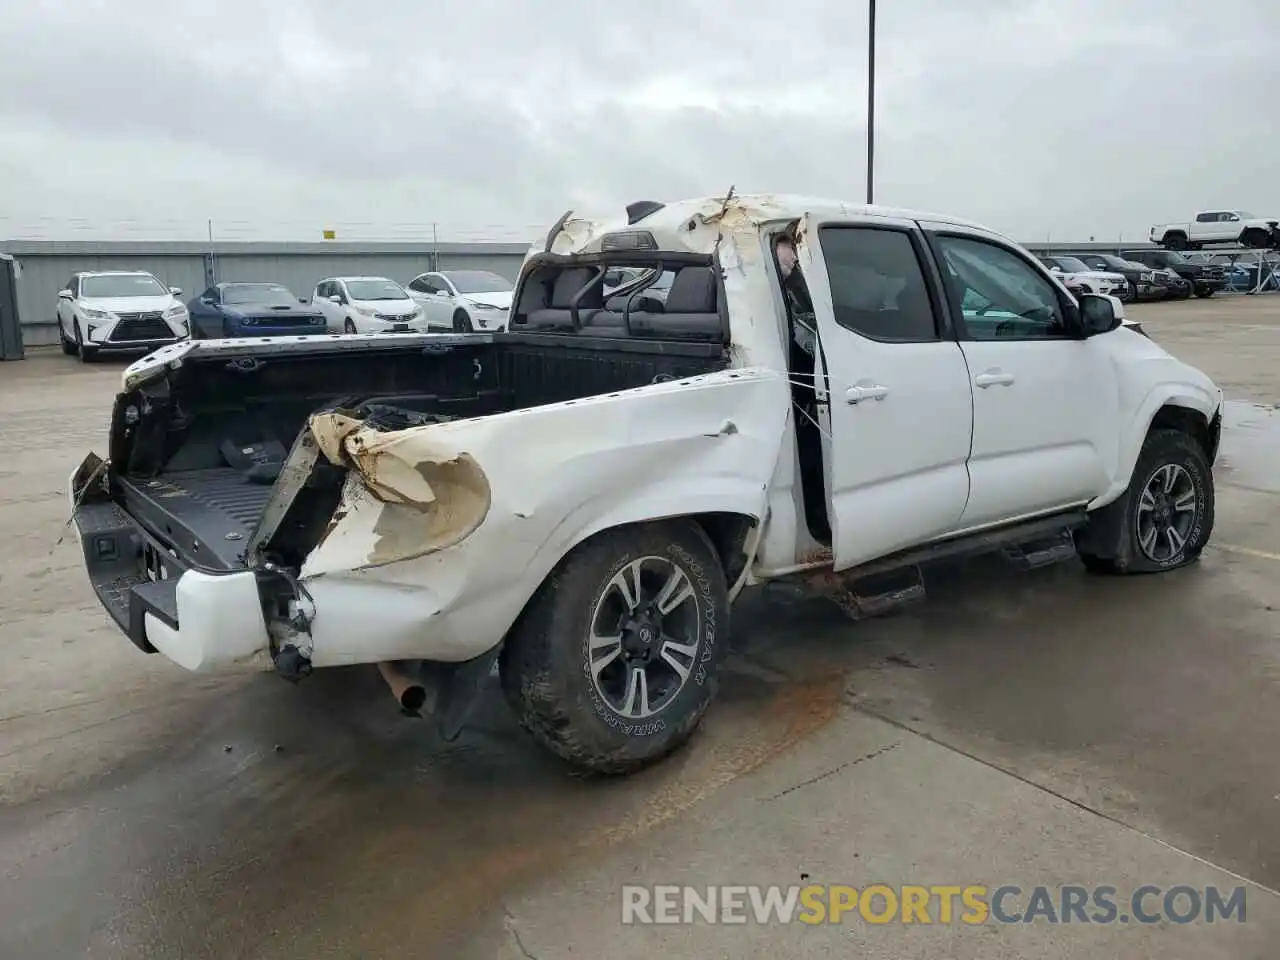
(1184, 396)
(721, 495)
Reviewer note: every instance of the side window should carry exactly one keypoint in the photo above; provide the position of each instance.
(1206, 218)
(1229, 218)
(1000, 294)
(74, 286)
(419, 285)
(439, 284)
(878, 289)
(211, 295)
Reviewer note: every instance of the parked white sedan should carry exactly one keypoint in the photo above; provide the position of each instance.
(463, 300)
(367, 305)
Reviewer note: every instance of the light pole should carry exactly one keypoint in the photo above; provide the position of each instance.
(871, 100)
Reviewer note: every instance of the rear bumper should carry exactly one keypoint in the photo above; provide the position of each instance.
(201, 621)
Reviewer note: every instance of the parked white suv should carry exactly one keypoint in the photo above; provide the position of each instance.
(828, 392)
(367, 305)
(1086, 279)
(463, 300)
(118, 311)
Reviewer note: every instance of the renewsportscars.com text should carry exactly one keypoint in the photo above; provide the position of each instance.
(933, 904)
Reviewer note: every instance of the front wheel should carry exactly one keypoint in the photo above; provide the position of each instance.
(1165, 517)
(1204, 292)
(462, 322)
(348, 326)
(1255, 239)
(68, 345)
(87, 353)
(614, 662)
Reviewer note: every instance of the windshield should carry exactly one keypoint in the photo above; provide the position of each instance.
(123, 285)
(375, 290)
(478, 281)
(264, 294)
(1071, 265)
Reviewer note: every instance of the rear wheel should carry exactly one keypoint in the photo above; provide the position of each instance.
(1203, 292)
(614, 662)
(1175, 241)
(1165, 517)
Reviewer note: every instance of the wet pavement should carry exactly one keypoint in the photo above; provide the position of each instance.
(1047, 726)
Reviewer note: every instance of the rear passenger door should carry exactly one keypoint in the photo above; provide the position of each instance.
(897, 410)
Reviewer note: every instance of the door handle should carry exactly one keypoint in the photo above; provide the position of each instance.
(995, 377)
(860, 393)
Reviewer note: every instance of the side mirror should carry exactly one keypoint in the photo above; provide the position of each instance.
(64, 295)
(1097, 314)
(176, 291)
(336, 298)
(302, 299)
(207, 301)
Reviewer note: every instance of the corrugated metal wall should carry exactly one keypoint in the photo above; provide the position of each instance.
(46, 266)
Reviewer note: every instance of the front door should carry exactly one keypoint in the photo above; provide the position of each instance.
(439, 305)
(893, 389)
(1045, 404)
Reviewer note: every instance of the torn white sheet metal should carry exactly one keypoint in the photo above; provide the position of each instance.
(417, 494)
(462, 521)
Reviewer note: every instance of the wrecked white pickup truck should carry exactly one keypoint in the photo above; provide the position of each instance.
(825, 391)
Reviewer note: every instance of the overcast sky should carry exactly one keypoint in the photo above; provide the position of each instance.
(1058, 118)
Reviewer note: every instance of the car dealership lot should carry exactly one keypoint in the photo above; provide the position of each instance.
(1061, 732)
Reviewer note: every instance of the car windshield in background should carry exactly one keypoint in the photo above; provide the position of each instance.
(1115, 263)
(478, 281)
(123, 285)
(1071, 265)
(264, 294)
(375, 290)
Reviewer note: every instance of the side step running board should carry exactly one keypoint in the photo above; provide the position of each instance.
(1042, 553)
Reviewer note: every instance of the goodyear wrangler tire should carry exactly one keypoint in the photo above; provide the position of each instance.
(614, 663)
(1163, 520)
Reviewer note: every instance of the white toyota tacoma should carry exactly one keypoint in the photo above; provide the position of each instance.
(828, 391)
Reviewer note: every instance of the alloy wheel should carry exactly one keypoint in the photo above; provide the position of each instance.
(1166, 513)
(645, 635)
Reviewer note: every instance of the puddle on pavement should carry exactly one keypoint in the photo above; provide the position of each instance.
(1250, 452)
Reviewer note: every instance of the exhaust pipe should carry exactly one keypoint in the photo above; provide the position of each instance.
(405, 687)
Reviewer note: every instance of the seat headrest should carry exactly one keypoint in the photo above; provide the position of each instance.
(693, 291)
(568, 283)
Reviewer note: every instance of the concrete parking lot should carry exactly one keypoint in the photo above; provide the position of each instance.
(1031, 729)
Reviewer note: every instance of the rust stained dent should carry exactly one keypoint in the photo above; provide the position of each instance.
(428, 495)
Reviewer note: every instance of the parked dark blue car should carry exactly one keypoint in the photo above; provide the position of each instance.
(252, 310)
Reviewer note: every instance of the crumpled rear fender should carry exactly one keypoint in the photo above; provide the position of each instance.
(457, 524)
